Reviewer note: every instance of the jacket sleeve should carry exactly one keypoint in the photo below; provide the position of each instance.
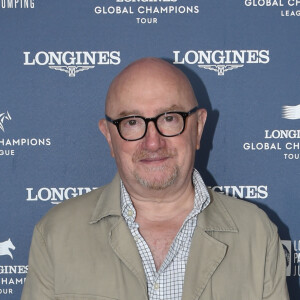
(39, 281)
(275, 287)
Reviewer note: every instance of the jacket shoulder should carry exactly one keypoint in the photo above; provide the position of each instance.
(71, 210)
(246, 216)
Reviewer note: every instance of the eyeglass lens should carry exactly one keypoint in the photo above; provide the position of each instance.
(168, 124)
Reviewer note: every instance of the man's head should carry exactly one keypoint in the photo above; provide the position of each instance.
(150, 87)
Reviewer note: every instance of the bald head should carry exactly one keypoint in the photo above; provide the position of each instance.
(149, 78)
(158, 160)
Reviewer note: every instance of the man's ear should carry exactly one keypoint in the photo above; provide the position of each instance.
(201, 118)
(105, 131)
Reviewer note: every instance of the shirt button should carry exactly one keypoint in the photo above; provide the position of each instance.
(156, 286)
(130, 213)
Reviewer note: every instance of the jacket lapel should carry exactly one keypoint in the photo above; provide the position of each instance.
(125, 248)
(120, 238)
(206, 253)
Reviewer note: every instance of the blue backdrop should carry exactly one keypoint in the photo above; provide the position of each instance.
(57, 59)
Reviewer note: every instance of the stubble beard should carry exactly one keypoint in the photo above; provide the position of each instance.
(168, 175)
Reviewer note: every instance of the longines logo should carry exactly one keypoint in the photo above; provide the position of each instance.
(55, 195)
(221, 61)
(280, 140)
(291, 112)
(4, 116)
(15, 274)
(243, 191)
(72, 62)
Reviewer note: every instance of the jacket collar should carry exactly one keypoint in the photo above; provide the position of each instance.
(215, 217)
(109, 201)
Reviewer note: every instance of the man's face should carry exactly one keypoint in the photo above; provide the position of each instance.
(153, 162)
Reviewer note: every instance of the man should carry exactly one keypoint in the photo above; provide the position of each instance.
(155, 232)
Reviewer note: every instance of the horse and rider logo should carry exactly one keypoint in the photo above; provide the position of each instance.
(4, 116)
(5, 248)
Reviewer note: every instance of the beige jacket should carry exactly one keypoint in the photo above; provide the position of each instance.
(83, 249)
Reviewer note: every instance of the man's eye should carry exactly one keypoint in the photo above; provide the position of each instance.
(132, 122)
(169, 118)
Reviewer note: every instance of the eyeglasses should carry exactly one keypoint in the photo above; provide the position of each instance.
(133, 128)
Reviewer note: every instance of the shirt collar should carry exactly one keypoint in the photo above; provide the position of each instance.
(127, 208)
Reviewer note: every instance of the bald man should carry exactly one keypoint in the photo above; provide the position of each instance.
(155, 232)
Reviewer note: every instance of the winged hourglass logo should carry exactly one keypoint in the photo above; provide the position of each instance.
(221, 69)
(71, 70)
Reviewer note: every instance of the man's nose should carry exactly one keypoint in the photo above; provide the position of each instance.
(153, 140)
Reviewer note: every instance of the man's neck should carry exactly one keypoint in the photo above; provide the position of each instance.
(164, 206)
(160, 219)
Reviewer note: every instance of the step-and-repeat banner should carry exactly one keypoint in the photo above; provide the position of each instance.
(57, 59)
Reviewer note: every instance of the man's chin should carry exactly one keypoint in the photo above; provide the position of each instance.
(157, 179)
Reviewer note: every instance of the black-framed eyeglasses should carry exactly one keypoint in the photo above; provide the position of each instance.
(133, 128)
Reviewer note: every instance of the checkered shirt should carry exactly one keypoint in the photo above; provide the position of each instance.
(167, 282)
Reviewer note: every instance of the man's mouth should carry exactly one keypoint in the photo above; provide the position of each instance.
(154, 159)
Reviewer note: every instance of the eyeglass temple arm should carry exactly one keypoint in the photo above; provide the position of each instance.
(109, 119)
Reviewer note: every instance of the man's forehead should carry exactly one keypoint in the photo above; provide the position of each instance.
(149, 86)
(154, 110)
